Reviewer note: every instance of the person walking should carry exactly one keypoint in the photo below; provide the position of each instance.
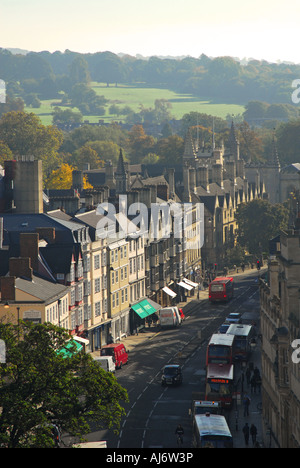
(253, 432)
(246, 404)
(246, 432)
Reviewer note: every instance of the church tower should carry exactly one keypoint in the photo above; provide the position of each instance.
(234, 144)
(121, 176)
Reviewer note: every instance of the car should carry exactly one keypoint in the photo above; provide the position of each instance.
(172, 375)
(234, 317)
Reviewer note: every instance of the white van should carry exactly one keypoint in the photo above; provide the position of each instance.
(169, 317)
(106, 362)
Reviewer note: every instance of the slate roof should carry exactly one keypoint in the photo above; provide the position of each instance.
(17, 223)
(43, 290)
(291, 169)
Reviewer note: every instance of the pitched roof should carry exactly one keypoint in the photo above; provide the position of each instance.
(45, 291)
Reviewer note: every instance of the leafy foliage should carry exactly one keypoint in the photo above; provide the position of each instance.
(39, 388)
(258, 222)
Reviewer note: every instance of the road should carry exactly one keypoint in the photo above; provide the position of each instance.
(154, 412)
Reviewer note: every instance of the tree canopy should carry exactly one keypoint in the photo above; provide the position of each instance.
(258, 222)
(39, 388)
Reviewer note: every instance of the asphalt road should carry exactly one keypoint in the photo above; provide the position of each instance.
(154, 412)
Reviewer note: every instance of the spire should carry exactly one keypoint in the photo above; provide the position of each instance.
(234, 143)
(189, 148)
(121, 166)
(274, 156)
(121, 176)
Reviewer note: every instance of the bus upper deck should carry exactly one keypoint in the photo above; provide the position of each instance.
(211, 430)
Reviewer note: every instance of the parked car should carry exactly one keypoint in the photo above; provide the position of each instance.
(169, 317)
(172, 375)
(106, 362)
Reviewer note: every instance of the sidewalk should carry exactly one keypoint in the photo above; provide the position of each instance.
(237, 418)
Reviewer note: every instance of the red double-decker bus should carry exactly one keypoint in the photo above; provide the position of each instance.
(221, 289)
(220, 349)
(220, 383)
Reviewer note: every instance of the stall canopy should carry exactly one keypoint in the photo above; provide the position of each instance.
(190, 283)
(185, 285)
(145, 308)
(169, 292)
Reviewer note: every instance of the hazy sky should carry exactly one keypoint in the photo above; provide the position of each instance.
(262, 29)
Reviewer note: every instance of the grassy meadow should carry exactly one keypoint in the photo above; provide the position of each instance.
(135, 96)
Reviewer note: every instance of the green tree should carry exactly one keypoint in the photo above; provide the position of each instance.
(258, 222)
(79, 71)
(39, 388)
(24, 134)
(65, 116)
(288, 141)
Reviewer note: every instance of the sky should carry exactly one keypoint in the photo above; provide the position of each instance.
(259, 29)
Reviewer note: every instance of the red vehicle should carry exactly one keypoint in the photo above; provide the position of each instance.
(221, 289)
(118, 353)
(220, 349)
(220, 383)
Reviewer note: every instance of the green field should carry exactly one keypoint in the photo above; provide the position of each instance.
(135, 96)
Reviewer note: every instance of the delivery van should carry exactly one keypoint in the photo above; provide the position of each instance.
(118, 352)
(169, 317)
(106, 362)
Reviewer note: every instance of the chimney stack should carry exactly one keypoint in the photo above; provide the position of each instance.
(20, 267)
(8, 288)
(29, 247)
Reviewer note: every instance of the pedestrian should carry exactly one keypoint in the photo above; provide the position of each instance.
(253, 432)
(246, 404)
(253, 384)
(246, 432)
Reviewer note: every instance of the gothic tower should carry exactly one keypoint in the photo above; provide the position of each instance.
(121, 176)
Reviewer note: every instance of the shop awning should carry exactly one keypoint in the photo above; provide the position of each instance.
(81, 340)
(169, 292)
(72, 347)
(190, 283)
(185, 285)
(145, 308)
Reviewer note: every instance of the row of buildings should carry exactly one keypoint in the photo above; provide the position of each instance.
(280, 328)
(57, 265)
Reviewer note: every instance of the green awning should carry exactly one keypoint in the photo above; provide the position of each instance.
(144, 308)
(71, 348)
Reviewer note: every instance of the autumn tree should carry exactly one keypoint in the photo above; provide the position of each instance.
(139, 143)
(40, 387)
(61, 178)
(170, 150)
